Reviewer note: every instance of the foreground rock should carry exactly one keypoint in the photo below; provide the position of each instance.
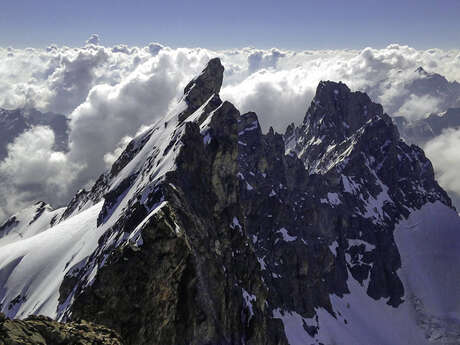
(40, 330)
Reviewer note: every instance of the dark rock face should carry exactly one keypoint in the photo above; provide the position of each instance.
(37, 330)
(371, 180)
(214, 229)
(198, 91)
(195, 279)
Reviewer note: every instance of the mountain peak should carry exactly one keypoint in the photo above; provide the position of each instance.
(337, 110)
(421, 70)
(209, 82)
(327, 87)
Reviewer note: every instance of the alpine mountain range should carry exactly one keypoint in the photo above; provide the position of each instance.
(208, 231)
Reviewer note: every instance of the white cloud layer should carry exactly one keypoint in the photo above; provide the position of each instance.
(109, 93)
(444, 153)
(33, 171)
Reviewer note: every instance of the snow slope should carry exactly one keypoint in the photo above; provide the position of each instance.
(32, 270)
(429, 244)
(29, 222)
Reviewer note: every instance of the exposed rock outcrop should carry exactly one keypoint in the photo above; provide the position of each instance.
(40, 330)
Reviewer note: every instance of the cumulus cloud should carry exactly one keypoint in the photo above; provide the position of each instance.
(264, 59)
(109, 93)
(279, 97)
(444, 152)
(416, 108)
(33, 171)
(58, 79)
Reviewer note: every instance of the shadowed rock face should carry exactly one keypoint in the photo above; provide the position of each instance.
(368, 175)
(40, 330)
(186, 284)
(242, 227)
(198, 90)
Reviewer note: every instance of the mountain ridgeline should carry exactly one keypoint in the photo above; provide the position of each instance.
(208, 231)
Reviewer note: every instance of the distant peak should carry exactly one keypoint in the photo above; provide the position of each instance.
(40, 204)
(421, 70)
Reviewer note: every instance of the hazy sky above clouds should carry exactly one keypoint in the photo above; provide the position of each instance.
(299, 24)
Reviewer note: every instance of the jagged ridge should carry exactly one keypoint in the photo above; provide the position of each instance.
(207, 231)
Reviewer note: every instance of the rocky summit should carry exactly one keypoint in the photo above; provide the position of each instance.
(208, 231)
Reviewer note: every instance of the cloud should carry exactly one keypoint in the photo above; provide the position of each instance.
(444, 153)
(279, 97)
(416, 108)
(33, 171)
(69, 84)
(121, 110)
(120, 89)
(264, 59)
(58, 79)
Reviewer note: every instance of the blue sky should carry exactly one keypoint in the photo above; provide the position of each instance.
(230, 24)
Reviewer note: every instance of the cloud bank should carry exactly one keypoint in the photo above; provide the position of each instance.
(34, 171)
(444, 153)
(110, 93)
